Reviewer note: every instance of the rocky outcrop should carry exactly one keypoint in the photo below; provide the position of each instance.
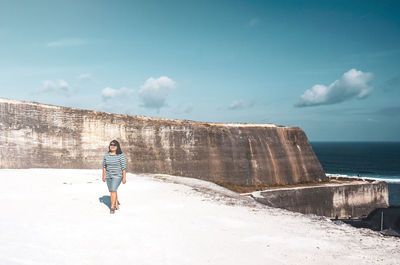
(40, 135)
(351, 199)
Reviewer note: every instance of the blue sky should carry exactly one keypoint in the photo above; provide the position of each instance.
(329, 67)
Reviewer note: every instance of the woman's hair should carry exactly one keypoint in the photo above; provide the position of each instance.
(119, 151)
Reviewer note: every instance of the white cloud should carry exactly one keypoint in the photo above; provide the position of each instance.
(154, 92)
(110, 93)
(66, 42)
(240, 104)
(85, 76)
(63, 85)
(59, 85)
(352, 84)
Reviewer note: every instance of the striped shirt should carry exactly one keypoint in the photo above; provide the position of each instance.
(114, 164)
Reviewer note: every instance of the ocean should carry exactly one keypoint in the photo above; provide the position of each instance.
(378, 160)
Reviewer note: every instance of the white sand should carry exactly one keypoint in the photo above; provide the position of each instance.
(54, 216)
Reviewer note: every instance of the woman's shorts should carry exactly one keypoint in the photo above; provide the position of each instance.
(113, 183)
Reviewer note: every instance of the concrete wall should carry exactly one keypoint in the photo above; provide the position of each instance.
(354, 199)
(39, 135)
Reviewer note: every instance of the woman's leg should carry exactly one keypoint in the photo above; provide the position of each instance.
(116, 200)
(112, 197)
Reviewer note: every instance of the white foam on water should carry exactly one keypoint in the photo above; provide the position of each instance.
(394, 179)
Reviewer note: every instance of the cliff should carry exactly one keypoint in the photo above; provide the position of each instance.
(354, 199)
(40, 135)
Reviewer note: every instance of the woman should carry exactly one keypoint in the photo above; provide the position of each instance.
(114, 170)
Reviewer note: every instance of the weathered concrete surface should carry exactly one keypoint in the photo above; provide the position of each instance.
(356, 198)
(39, 135)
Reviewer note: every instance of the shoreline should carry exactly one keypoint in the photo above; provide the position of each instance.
(394, 180)
(393, 185)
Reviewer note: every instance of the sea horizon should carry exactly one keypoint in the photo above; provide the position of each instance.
(372, 159)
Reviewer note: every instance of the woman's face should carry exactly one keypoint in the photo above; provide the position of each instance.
(113, 147)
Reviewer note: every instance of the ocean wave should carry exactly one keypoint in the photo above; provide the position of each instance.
(388, 179)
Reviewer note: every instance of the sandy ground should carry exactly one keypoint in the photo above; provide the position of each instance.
(60, 216)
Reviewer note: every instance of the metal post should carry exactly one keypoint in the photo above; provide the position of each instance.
(382, 220)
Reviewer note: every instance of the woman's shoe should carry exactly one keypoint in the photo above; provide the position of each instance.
(112, 210)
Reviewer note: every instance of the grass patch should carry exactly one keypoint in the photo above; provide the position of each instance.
(250, 188)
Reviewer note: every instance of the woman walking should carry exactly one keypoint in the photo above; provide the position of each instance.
(114, 171)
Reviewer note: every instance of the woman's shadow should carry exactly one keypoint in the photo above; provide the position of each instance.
(106, 199)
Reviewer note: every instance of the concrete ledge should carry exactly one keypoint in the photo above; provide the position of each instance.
(353, 199)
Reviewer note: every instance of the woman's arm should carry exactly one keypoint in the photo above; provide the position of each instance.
(104, 169)
(123, 167)
(104, 174)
